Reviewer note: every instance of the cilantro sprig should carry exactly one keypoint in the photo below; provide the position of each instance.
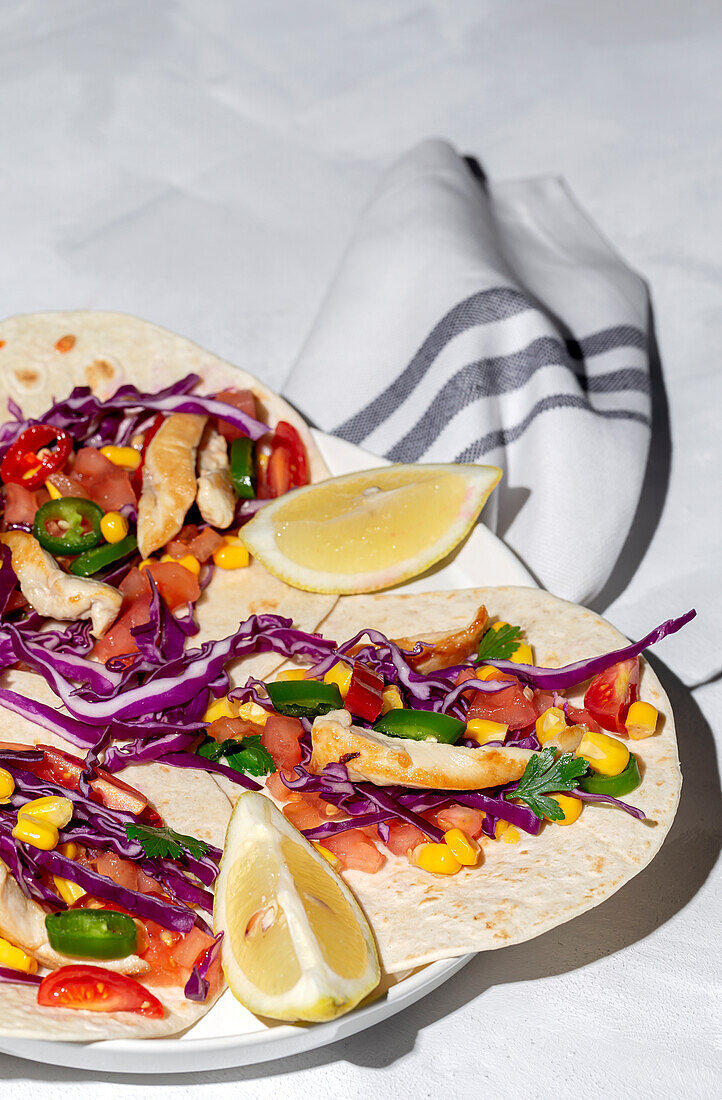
(544, 773)
(164, 842)
(247, 755)
(499, 645)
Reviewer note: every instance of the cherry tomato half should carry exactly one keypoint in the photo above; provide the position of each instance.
(95, 989)
(611, 693)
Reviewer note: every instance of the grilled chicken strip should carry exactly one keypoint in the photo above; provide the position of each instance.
(372, 757)
(169, 480)
(216, 499)
(57, 594)
(441, 650)
(22, 921)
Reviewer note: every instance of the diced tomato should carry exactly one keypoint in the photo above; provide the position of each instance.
(64, 769)
(542, 701)
(579, 716)
(611, 693)
(201, 544)
(355, 851)
(240, 399)
(281, 737)
(509, 705)
(465, 818)
(176, 585)
(279, 790)
(287, 464)
(309, 811)
(95, 989)
(105, 483)
(119, 870)
(233, 729)
(403, 836)
(20, 504)
(69, 486)
(118, 639)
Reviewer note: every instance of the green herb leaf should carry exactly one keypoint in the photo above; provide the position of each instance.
(210, 749)
(248, 756)
(499, 645)
(543, 774)
(164, 842)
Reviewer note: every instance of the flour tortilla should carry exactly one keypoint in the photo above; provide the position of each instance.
(113, 349)
(519, 890)
(188, 801)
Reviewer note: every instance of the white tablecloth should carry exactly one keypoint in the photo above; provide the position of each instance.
(201, 165)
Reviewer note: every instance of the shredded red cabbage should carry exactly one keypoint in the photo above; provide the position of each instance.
(197, 986)
(585, 796)
(18, 977)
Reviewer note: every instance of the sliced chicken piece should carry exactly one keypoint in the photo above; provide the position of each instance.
(442, 650)
(216, 498)
(169, 480)
(22, 921)
(375, 758)
(57, 594)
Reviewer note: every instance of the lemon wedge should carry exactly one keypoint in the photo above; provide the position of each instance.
(296, 944)
(369, 530)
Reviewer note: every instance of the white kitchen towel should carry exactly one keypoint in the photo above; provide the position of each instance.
(491, 323)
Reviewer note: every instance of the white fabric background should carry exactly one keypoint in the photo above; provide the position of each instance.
(201, 165)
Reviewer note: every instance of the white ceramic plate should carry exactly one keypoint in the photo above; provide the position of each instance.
(229, 1035)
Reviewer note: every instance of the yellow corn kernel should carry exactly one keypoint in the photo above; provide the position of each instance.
(465, 850)
(571, 808)
(482, 730)
(113, 527)
(291, 674)
(35, 831)
(391, 699)
(231, 556)
(488, 672)
(127, 457)
(605, 755)
(69, 891)
(523, 655)
(52, 809)
(339, 674)
(500, 828)
(70, 849)
(55, 494)
(641, 720)
(187, 561)
(511, 835)
(252, 712)
(7, 785)
(438, 859)
(550, 723)
(497, 626)
(328, 856)
(16, 958)
(146, 562)
(220, 708)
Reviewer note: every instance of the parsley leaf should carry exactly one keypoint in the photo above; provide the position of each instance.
(544, 773)
(498, 645)
(248, 756)
(165, 843)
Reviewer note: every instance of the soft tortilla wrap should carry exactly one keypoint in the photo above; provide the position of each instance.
(519, 890)
(113, 349)
(188, 801)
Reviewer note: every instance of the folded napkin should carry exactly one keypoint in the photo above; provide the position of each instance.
(491, 323)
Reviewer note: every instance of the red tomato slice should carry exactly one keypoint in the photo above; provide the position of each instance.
(355, 850)
(403, 836)
(281, 736)
(465, 818)
(510, 705)
(611, 693)
(279, 790)
(65, 770)
(240, 399)
(579, 716)
(95, 989)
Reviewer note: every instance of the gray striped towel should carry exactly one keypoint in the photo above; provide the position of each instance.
(492, 323)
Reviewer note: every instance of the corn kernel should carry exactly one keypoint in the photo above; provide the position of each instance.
(188, 561)
(571, 808)
(605, 755)
(482, 730)
(391, 699)
(339, 674)
(35, 831)
(550, 723)
(500, 828)
(127, 457)
(16, 958)
(7, 785)
(523, 655)
(488, 672)
(465, 850)
(438, 859)
(291, 674)
(253, 712)
(220, 708)
(54, 493)
(69, 891)
(70, 849)
(328, 856)
(641, 720)
(113, 527)
(497, 626)
(146, 562)
(231, 557)
(52, 809)
(511, 835)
